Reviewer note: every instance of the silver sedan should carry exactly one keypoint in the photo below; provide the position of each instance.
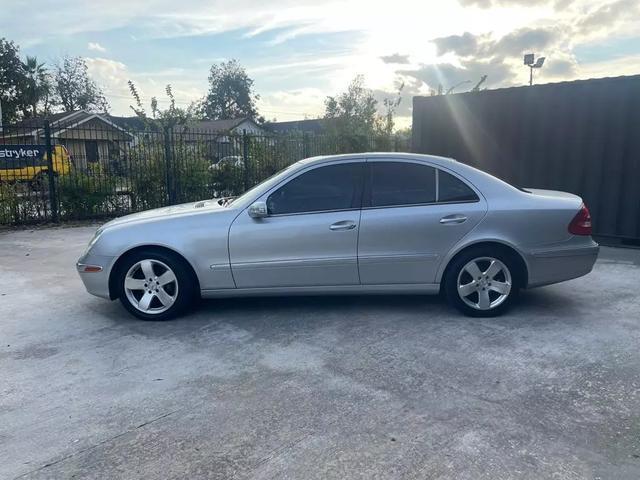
(361, 223)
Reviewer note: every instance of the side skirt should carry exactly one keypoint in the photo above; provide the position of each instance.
(406, 289)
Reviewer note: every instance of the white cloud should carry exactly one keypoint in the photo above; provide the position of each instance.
(96, 47)
(113, 76)
(424, 41)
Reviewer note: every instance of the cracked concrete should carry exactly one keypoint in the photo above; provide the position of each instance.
(324, 387)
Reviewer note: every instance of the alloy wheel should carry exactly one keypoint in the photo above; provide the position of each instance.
(484, 283)
(151, 286)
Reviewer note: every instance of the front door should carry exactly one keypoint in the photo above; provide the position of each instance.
(412, 215)
(310, 235)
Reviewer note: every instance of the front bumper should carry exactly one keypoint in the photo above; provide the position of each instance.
(94, 272)
(560, 264)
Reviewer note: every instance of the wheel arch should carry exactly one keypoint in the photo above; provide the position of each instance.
(158, 248)
(505, 247)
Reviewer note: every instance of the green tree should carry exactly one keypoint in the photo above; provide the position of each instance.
(352, 112)
(74, 89)
(354, 120)
(166, 118)
(385, 122)
(37, 86)
(230, 93)
(12, 81)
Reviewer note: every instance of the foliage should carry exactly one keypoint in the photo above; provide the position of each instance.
(352, 112)
(74, 89)
(19, 204)
(353, 119)
(148, 180)
(38, 86)
(9, 203)
(161, 119)
(154, 181)
(227, 180)
(12, 81)
(230, 93)
(28, 89)
(190, 176)
(85, 196)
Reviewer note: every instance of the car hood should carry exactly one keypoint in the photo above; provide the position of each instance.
(172, 211)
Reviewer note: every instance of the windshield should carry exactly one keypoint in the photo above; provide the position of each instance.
(265, 184)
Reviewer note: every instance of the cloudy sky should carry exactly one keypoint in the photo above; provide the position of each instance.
(299, 51)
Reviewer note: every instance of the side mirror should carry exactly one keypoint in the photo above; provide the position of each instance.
(258, 210)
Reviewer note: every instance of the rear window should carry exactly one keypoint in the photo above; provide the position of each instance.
(452, 189)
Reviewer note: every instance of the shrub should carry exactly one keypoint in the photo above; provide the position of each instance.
(153, 182)
(148, 181)
(84, 196)
(9, 204)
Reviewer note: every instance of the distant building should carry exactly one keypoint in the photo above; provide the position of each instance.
(90, 138)
(234, 126)
(314, 126)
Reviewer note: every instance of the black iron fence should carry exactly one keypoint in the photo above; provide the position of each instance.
(96, 169)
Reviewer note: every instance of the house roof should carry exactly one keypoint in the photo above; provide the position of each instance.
(314, 125)
(220, 125)
(58, 121)
(129, 123)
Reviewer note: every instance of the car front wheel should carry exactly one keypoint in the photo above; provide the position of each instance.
(481, 283)
(155, 285)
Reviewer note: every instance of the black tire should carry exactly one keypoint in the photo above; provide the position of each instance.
(481, 254)
(185, 290)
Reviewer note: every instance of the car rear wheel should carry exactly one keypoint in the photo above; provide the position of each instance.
(155, 285)
(482, 283)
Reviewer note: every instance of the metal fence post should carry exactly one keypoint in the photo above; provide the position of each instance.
(245, 158)
(305, 145)
(167, 156)
(53, 200)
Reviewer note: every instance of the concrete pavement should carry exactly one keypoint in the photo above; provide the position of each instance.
(319, 387)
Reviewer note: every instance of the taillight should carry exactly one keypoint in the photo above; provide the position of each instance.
(581, 223)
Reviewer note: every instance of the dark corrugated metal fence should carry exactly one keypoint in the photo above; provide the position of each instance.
(582, 137)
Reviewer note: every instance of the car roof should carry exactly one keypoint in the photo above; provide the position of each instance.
(442, 161)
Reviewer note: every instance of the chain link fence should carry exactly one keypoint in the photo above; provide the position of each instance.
(93, 168)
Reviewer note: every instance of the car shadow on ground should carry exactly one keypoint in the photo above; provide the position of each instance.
(538, 307)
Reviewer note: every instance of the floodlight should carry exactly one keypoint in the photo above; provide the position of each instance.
(539, 62)
(531, 62)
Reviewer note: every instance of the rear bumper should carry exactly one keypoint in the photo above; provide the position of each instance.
(95, 281)
(560, 264)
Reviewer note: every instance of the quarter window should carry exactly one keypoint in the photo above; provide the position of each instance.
(451, 189)
(401, 183)
(334, 187)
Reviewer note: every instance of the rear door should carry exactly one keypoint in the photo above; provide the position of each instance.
(413, 213)
(310, 235)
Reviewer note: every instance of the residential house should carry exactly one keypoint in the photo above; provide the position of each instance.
(234, 126)
(315, 126)
(90, 138)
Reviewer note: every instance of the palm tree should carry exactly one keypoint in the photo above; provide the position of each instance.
(38, 86)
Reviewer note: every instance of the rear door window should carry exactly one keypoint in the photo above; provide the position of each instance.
(400, 183)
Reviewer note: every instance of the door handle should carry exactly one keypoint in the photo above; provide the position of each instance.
(343, 225)
(453, 219)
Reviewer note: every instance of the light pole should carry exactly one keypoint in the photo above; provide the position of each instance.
(529, 60)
